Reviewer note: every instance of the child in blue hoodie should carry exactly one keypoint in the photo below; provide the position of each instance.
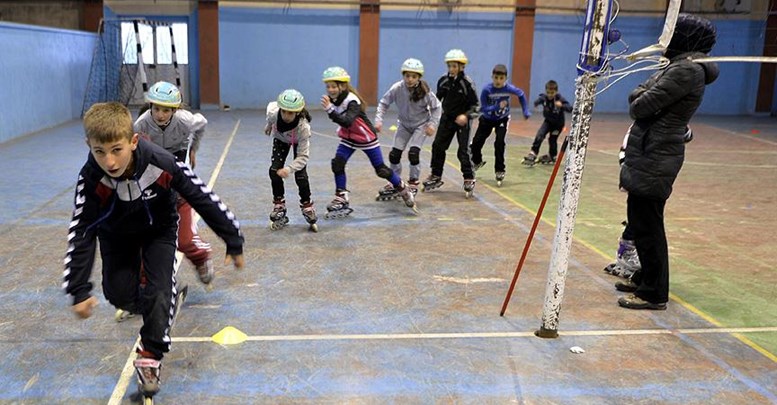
(495, 116)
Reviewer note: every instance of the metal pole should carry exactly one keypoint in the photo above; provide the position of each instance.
(567, 210)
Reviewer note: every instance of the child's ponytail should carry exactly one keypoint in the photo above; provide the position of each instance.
(420, 91)
(362, 103)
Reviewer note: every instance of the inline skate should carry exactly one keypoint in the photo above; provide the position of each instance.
(432, 183)
(309, 212)
(339, 207)
(278, 218)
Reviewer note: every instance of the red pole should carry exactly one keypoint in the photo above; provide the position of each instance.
(534, 226)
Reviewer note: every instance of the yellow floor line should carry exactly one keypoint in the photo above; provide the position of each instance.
(481, 335)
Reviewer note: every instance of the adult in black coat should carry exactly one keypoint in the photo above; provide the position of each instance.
(661, 108)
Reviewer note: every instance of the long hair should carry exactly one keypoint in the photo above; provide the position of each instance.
(362, 103)
(305, 114)
(420, 91)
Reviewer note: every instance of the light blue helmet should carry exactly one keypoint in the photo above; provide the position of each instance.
(291, 100)
(413, 65)
(164, 94)
(456, 55)
(335, 74)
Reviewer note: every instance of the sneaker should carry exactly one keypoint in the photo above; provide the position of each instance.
(633, 302)
(205, 271)
(626, 286)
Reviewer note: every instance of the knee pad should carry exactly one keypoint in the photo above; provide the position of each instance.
(338, 165)
(414, 155)
(395, 156)
(383, 171)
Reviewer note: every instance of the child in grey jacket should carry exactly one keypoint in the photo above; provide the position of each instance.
(179, 132)
(419, 116)
(288, 122)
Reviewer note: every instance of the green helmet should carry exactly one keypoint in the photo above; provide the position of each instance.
(335, 74)
(456, 55)
(291, 100)
(413, 65)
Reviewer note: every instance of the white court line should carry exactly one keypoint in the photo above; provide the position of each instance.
(126, 373)
(481, 335)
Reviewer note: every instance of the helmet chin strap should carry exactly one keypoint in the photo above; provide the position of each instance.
(163, 126)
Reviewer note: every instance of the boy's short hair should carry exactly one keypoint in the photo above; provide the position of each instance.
(551, 84)
(499, 69)
(108, 122)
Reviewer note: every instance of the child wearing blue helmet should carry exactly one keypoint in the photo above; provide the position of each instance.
(179, 132)
(288, 122)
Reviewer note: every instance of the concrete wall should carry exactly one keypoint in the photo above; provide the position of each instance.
(43, 74)
(61, 14)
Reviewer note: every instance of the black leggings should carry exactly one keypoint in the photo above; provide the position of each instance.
(280, 151)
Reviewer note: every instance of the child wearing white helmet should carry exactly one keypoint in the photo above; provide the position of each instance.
(288, 122)
(179, 132)
(346, 108)
(460, 105)
(419, 116)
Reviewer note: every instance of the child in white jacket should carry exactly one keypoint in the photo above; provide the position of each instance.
(288, 122)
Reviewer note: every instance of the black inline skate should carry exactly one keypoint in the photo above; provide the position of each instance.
(500, 176)
(432, 183)
(309, 212)
(339, 207)
(387, 193)
(530, 159)
(469, 187)
(547, 160)
(278, 218)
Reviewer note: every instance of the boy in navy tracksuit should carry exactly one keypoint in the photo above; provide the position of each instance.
(126, 198)
(495, 116)
(460, 105)
(553, 107)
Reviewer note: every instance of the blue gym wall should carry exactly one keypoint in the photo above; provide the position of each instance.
(263, 51)
(486, 38)
(43, 75)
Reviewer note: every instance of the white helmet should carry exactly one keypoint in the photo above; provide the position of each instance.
(456, 55)
(413, 65)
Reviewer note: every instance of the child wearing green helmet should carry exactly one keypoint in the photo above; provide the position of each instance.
(419, 116)
(288, 122)
(179, 132)
(346, 108)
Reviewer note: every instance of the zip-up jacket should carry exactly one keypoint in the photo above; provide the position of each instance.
(458, 96)
(184, 127)
(553, 114)
(492, 96)
(299, 135)
(355, 128)
(412, 114)
(661, 108)
(143, 204)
